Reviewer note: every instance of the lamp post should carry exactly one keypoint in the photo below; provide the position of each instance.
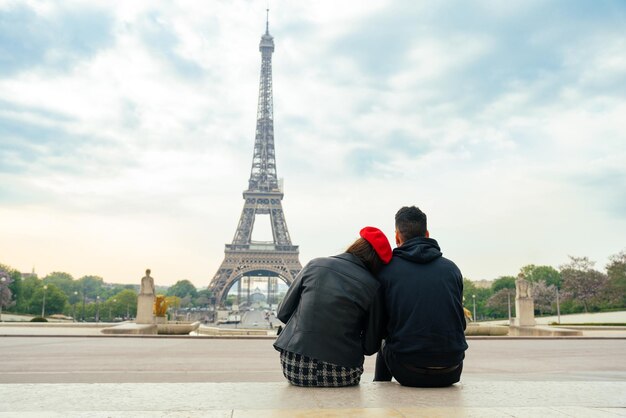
(98, 308)
(110, 307)
(19, 291)
(74, 308)
(2, 281)
(43, 304)
(474, 300)
(508, 295)
(558, 307)
(83, 292)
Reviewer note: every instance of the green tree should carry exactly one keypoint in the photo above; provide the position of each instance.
(616, 271)
(548, 274)
(5, 268)
(115, 306)
(498, 304)
(63, 281)
(73, 299)
(230, 300)
(182, 288)
(185, 302)
(124, 304)
(544, 296)
(6, 298)
(109, 291)
(503, 282)
(581, 282)
(55, 300)
(479, 295)
(14, 283)
(24, 300)
(90, 286)
(203, 298)
(16, 289)
(173, 304)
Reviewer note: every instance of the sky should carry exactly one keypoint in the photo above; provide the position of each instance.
(127, 130)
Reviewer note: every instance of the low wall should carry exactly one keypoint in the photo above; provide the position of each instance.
(230, 331)
(492, 330)
(543, 331)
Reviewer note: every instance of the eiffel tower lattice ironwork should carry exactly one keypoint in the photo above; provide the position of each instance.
(244, 257)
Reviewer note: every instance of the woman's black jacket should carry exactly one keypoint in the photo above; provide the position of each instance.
(332, 312)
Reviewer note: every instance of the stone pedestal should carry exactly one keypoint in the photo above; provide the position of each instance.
(524, 312)
(145, 305)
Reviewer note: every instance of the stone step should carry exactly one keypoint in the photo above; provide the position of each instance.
(473, 398)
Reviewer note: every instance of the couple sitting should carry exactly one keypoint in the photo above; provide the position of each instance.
(341, 308)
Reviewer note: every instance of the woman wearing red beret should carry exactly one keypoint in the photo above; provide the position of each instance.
(332, 315)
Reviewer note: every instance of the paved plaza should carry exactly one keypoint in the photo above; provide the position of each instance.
(195, 359)
(98, 376)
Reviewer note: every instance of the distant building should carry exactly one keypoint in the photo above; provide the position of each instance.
(483, 284)
(29, 275)
(257, 296)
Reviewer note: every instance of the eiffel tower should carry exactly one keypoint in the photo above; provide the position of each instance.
(244, 257)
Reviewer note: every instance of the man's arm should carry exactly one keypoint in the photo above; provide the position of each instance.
(461, 299)
(376, 325)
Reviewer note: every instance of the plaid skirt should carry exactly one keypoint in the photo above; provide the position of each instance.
(301, 370)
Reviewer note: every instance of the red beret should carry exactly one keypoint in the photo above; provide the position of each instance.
(379, 241)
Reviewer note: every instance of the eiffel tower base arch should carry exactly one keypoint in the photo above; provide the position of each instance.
(236, 264)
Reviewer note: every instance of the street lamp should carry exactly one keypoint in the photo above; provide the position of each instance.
(98, 308)
(75, 300)
(83, 292)
(558, 307)
(474, 300)
(508, 295)
(110, 306)
(2, 281)
(19, 290)
(43, 304)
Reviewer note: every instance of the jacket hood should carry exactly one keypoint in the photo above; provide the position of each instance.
(419, 250)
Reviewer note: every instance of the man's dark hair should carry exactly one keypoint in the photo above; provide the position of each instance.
(411, 222)
(364, 251)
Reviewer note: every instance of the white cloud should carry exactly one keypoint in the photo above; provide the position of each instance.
(149, 138)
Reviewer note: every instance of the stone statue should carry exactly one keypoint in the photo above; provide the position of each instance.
(523, 288)
(147, 285)
(145, 300)
(524, 303)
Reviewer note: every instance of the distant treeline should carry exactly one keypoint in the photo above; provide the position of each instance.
(581, 288)
(87, 298)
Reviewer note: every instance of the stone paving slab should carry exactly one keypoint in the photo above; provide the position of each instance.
(340, 413)
(281, 399)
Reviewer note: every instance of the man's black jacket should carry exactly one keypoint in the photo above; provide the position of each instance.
(424, 305)
(332, 312)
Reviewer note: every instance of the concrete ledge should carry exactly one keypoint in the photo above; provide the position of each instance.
(177, 328)
(204, 330)
(592, 327)
(131, 328)
(477, 329)
(542, 331)
(502, 398)
(59, 324)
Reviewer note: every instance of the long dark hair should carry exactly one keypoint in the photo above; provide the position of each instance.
(364, 251)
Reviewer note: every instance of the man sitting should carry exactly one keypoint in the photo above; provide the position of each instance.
(423, 294)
